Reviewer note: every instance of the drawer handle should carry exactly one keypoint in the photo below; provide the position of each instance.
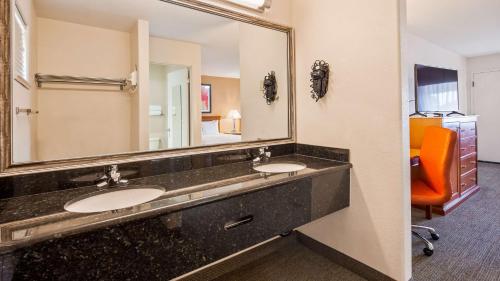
(463, 184)
(464, 166)
(472, 145)
(463, 148)
(236, 223)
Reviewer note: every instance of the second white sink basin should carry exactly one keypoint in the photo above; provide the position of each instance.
(113, 199)
(285, 167)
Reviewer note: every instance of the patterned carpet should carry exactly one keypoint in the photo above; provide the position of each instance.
(469, 247)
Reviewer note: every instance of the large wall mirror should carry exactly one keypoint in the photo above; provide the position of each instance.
(108, 77)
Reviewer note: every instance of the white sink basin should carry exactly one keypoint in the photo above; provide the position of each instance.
(285, 167)
(113, 199)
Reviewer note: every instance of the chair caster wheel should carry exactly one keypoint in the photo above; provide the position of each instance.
(435, 236)
(428, 252)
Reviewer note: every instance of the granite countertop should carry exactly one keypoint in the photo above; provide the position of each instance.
(32, 218)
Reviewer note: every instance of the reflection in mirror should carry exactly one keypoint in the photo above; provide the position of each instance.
(104, 77)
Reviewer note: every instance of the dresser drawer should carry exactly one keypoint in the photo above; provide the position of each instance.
(468, 163)
(455, 126)
(221, 228)
(468, 180)
(467, 129)
(467, 146)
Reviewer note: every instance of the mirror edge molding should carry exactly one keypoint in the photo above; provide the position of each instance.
(7, 168)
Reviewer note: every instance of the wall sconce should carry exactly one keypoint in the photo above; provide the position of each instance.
(320, 75)
(270, 88)
(257, 5)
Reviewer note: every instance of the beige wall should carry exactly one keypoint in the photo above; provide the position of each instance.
(139, 59)
(362, 112)
(76, 121)
(225, 97)
(421, 51)
(170, 52)
(263, 121)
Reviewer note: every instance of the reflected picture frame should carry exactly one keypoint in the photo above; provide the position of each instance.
(206, 98)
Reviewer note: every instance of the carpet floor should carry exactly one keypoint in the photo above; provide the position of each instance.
(469, 244)
(295, 262)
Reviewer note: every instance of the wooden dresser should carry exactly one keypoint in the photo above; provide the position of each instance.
(464, 167)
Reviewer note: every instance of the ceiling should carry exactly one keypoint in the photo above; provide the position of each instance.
(468, 27)
(218, 36)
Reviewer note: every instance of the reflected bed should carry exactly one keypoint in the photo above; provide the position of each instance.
(210, 132)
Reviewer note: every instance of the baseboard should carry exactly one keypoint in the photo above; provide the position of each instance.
(341, 259)
(488, 162)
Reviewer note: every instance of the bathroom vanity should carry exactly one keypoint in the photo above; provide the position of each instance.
(117, 161)
(204, 215)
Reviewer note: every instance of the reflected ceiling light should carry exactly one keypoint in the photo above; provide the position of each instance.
(259, 5)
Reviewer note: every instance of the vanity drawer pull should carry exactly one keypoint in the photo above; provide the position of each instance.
(238, 222)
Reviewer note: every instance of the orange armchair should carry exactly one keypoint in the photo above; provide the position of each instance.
(434, 185)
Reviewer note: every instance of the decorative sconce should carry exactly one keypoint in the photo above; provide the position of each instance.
(319, 77)
(270, 88)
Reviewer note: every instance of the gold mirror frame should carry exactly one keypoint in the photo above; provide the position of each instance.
(7, 168)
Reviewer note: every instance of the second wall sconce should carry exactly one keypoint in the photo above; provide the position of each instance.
(319, 78)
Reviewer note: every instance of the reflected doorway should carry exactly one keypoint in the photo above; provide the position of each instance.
(168, 106)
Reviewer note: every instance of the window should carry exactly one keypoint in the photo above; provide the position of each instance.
(21, 67)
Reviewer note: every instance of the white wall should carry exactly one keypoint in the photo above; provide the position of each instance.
(362, 112)
(171, 52)
(477, 65)
(421, 51)
(76, 121)
(260, 120)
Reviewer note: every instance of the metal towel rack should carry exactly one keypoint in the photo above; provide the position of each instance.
(49, 78)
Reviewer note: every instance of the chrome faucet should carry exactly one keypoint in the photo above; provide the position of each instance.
(111, 177)
(263, 156)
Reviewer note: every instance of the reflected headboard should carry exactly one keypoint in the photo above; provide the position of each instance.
(211, 118)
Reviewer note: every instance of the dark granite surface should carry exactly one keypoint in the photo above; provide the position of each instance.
(30, 184)
(332, 153)
(31, 206)
(207, 184)
(165, 246)
(159, 240)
